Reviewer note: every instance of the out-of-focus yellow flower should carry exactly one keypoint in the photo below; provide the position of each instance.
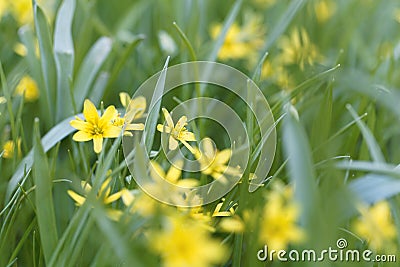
(3, 100)
(213, 162)
(278, 225)
(324, 10)
(3, 8)
(241, 42)
(177, 132)
(231, 224)
(95, 127)
(277, 73)
(173, 175)
(28, 88)
(184, 242)
(134, 110)
(298, 49)
(265, 3)
(104, 195)
(376, 226)
(21, 10)
(9, 148)
(396, 14)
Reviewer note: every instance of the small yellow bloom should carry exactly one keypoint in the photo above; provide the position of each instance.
(28, 88)
(213, 162)
(324, 10)
(134, 110)
(95, 127)
(232, 224)
(184, 242)
(140, 202)
(104, 195)
(298, 49)
(278, 225)
(241, 43)
(176, 132)
(376, 225)
(22, 11)
(173, 175)
(9, 148)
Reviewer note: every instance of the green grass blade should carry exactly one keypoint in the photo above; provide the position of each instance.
(44, 197)
(375, 187)
(90, 68)
(55, 135)
(64, 57)
(373, 146)
(154, 108)
(300, 164)
(46, 58)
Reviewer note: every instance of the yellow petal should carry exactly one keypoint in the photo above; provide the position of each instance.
(187, 136)
(156, 171)
(173, 144)
(135, 127)
(188, 182)
(97, 143)
(223, 156)
(82, 136)
(168, 118)
(174, 172)
(105, 185)
(113, 197)
(90, 112)
(79, 124)
(124, 98)
(232, 225)
(181, 123)
(207, 147)
(77, 198)
(138, 104)
(127, 197)
(163, 128)
(109, 114)
(111, 131)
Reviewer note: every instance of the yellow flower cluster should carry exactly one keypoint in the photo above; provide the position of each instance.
(278, 224)
(109, 125)
(27, 87)
(376, 226)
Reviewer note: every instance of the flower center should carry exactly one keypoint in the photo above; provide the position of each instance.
(97, 130)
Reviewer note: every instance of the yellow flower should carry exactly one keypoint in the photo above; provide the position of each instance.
(28, 88)
(9, 148)
(277, 72)
(176, 132)
(173, 175)
(95, 127)
(3, 8)
(240, 43)
(298, 49)
(232, 224)
(324, 9)
(376, 225)
(104, 195)
(278, 225)
(213, 162)
(22, 11)
(134, 110)
(3, 100)
(184, 242)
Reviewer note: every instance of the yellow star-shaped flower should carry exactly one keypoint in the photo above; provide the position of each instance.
(177, 132)
(95, 127)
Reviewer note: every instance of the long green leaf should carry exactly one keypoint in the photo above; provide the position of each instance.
(89, 69)
(55, 135)
(46, 58)
(44, 197)
(64, 57)
(154, 108)
(300, 164)
(375, 187)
